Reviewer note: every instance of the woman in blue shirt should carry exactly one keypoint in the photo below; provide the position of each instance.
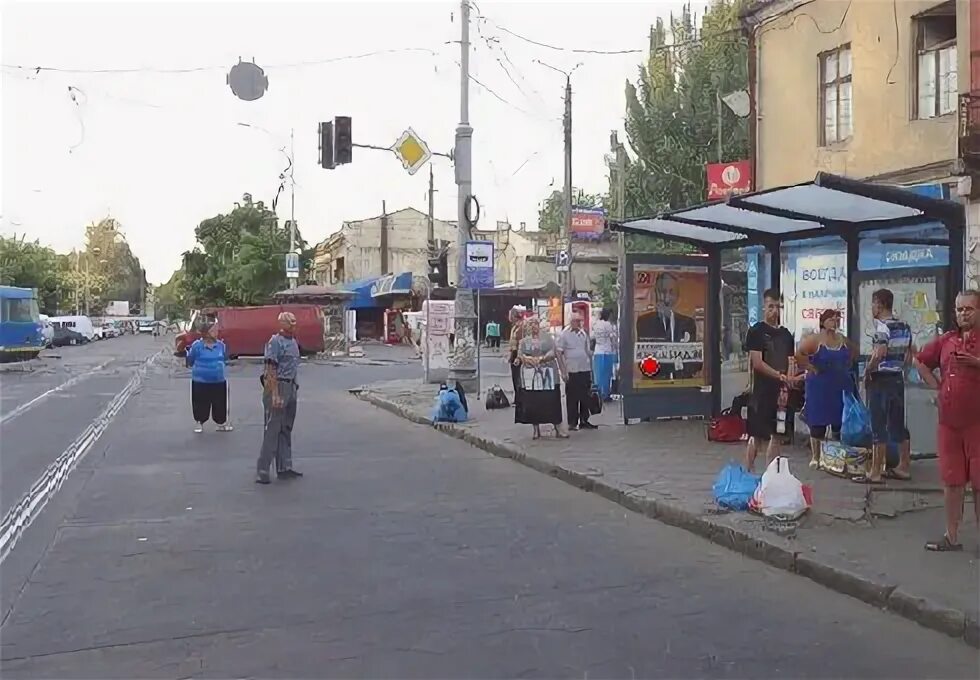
(209, 390)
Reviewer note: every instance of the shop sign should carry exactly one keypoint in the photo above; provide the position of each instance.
(728, 179)
(478, 265)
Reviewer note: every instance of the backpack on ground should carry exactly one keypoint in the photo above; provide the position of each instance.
(496, 398)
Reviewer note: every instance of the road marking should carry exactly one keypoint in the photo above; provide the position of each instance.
(27, 509)
(44, 395)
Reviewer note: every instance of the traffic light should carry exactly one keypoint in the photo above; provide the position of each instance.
(439, 270)
(326, 146)
(343, 143)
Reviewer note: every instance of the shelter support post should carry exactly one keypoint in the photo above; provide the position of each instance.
(853, 312)
(712, 354)
(957, 279)
(775, 266)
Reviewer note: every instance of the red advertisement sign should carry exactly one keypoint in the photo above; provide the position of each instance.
(727, 179)
(588, 223)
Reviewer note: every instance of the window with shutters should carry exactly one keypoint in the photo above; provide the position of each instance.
(835, 96)
(936, 86)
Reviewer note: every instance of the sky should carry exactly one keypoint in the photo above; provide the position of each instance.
(160, 150)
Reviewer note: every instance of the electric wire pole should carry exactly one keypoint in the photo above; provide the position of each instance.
(292, 202)
(462, 359)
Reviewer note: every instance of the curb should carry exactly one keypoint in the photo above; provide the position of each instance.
(890, 596)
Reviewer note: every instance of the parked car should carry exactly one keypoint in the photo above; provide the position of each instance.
(147, 326)
(110, 330)
(66, 336)
(246, 330)
(79, 324)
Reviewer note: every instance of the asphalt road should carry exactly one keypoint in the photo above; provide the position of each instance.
(402, 553)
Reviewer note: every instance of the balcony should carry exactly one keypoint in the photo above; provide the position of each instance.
(969, 130)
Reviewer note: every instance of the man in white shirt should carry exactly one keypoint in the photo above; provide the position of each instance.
(575, 361)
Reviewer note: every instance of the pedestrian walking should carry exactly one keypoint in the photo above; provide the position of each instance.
(770, 347)
(206, 358)
(605, 339)
(957, 356)
(575, 361)
(279, 401)
(516, 318)
(885, 388)
(540, 388)
(492, 335)
(826, 357)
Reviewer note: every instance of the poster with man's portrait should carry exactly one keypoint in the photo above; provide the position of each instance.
(669, 317)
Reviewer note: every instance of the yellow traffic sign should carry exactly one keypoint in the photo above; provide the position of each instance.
(412, 151)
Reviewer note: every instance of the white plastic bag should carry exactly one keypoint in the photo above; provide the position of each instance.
(779, 494)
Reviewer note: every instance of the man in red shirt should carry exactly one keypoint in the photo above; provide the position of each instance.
(957, 356)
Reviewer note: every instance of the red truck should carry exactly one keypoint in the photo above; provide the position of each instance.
(246, 330)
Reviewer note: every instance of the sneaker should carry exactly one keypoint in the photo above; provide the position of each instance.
(225, 428)
(199, 428)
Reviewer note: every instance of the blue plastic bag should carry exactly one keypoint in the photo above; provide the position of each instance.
(734, 487)
(855, 423)
(448, 408)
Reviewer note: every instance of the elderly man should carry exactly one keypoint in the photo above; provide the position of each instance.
(575, 361)
(279, 401)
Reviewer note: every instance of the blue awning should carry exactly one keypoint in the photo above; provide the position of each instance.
(362, 294)
(392, 284)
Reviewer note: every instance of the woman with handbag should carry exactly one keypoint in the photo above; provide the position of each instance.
(540, 392)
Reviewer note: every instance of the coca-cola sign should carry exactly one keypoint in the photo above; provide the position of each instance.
(728, 179)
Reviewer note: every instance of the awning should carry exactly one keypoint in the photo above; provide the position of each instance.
(829, 205)
(392, 284)
(361, 290)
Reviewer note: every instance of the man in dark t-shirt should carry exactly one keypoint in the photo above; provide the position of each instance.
(769, 346)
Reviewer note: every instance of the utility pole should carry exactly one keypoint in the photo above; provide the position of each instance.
(292, 200)
(462, 359)
(430, 233)
(565, 240)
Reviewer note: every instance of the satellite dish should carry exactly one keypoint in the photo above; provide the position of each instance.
(738, 101)
(247, 80)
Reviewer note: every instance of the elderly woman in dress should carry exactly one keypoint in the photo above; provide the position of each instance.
(540, 402)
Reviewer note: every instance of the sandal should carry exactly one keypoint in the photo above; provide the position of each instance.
(943, 545)
(865, 479)
(900, 476)
(560, 435)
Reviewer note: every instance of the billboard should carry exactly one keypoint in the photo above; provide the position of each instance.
(669, 310)
(588, 224)
(728, 179)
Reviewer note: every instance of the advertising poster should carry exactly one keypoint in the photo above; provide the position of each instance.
(588, 224)
(669, 304)
(821, 283)
(917, 303)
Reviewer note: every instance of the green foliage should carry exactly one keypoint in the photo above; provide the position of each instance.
(240, 259)
(170, 299)
(28, 264)
(111, 269)
(551, 214)
(607, 287)
(671, 111)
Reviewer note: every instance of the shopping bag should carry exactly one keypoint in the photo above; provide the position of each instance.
(727, 427)
(779, 494)
(496, 399)
(855, 423)
(734, 487)
(448, 407)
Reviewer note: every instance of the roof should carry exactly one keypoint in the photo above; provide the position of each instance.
(829, 205)
(308, 290)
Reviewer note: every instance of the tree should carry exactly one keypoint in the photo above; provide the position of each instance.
(28, 264)
(240, 258)
(551, 214)
(671, 111)
(170, 299)
(113, 272)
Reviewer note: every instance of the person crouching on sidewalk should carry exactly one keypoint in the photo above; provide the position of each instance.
(957, 356)
(209, 389)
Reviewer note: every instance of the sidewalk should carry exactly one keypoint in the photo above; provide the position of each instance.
(864, 542)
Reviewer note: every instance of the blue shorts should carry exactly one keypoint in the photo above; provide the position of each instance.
(886, 402)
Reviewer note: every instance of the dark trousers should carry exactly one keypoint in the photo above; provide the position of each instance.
(209, 400)
(515, 377)
(493, 341)
(577, 398)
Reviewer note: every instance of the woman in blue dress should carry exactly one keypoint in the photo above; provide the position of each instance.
(827, 357)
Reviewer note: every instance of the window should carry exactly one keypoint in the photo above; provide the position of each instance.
(935, 67)
(20, 310)
(835, 95)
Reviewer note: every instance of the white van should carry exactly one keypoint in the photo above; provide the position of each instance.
(79, 324)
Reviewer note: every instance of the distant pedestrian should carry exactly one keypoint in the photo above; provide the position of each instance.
(492, 335)
(516, 318)
(605, 339)
(279, 401)
(957, 356)
(575, 360)
(209, 388)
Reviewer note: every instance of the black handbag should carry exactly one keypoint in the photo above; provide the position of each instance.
(595, 401)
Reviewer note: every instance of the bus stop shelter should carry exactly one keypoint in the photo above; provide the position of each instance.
(685, 378)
